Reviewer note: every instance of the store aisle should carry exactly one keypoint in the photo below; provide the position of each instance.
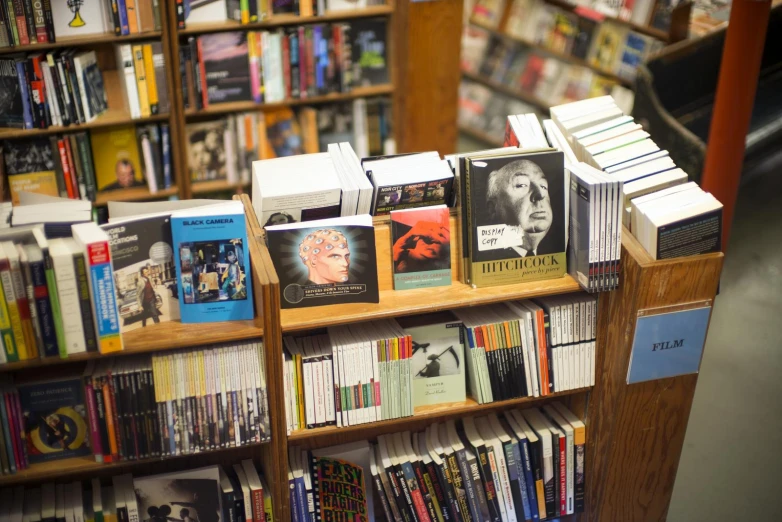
(730, 464)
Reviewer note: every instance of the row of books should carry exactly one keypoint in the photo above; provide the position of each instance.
(520, 465)
(235, 493)
(530, 348)
(669, 216)
(290, 63)
(583, 34)
(253, 11)
(654, 13)
(483, 110)
(355, 374)
(529, 71)
(28, 23)
(61, 88)
(336, 183)
(81, 165)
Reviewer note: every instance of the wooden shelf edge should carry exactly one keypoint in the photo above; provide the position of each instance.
(508, 91)
(160, 337)
(111, 118)
(283, 20)
(419, 301)
(246, 106)
(81, 41)
(133, 194)
(206, 187)
(58, 469)
(556, 54)
(480, 135)
(425, 416)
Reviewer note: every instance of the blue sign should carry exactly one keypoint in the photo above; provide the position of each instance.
(668, 344)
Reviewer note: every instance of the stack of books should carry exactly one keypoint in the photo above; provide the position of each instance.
(81, 165)
(670, 217)
(232, 493)
(30, 23)
(253, 11)
(355, 374)
(520, 465)
(291, 63)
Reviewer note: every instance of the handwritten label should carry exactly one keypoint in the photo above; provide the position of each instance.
(495, 237)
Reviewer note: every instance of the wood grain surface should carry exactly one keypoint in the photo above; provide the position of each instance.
(635, 432)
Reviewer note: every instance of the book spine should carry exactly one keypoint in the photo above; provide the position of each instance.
(85, 306)
(6, 329)
(131, 91)
(100, 409)
(66, 170)
(26, 100)
(71, 167)
(13, 32)
(70, 113)
(48, 21)
(44, 308)
(13, 311)
(149, 73)
(37, 94)
(21, 23)
(78, 165)
(112, 416)
(29, 18)
(92, 412)
(180, 14)
(165, 146)
(580, 486)
(40, 21)
(6, 427)
(73, 87)
(141, 80)
(14, 432)
(156, 14)
(123, 17)
(85, 151)
(257, 500)
(106, 312)
(115, 17)
(202, 73)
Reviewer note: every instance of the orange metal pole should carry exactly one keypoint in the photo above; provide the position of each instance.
(738, 81)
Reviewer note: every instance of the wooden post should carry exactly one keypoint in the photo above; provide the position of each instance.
(636, 432)
(738, 81)
(427, 75)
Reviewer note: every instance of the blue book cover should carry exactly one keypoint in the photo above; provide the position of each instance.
(212, 263)
(27, 110)
(165, 145)
(55, 420)
(531, 496)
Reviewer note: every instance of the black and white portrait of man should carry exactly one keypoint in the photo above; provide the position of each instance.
(526, 195)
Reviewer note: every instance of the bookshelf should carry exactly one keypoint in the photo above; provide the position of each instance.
(83, 41)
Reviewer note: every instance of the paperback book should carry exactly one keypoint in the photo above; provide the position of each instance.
(30, 167)
(330, 261)
(340, 482)
(421, 247)
(55, 420)
(116, 158)
(144, 272)
(212, 263)
(226, 76)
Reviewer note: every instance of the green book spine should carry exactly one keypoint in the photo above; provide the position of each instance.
(54, 299)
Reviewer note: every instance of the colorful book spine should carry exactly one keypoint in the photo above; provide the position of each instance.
(141, 80)
(17, 8)
(13, 310)
(92, 410)
(44, 308)
(6, 332)
(123, 17)
(23, 86)
(39, 21)
(83, 290)
(132, 15)
(149, 72)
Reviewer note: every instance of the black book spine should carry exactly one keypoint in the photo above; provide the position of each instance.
(85, 151)
(154, 419)
(73, 86)
(164, 445)
(141, 421)
(407, 495)
(67, 93)
(195, 61)
(88, 322)
(124, 435)
(58, 93)
(556, 485)
(178, 435)
(100, 408)
(579, 487)
(423, 487)
(469, 486)
(29, 18)
(488, 483)
(221, 436)
(460, 490)
(399, 497)
(38, 122)
(514, 476)
(184, 63)
(481, 504)
(438, 490)
(535, 455)
(229, 507)
(49, 20)
(381, 494)
(496, 377)
(204, 425)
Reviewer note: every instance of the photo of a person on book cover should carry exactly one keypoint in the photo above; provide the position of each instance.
(279, 218)
(326, 254)
(147, 298)
(126, 176)
(520, 195)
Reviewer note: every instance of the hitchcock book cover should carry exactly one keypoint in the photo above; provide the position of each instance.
(212, 263)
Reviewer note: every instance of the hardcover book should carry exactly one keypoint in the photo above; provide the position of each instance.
(116, 158)
(206, 153)
(212, 263)
(369, 51)
(437, 364)
(224, 59)
(421, 247)
(55, 420)
(143, 259)
(324, 262)
(515, 212)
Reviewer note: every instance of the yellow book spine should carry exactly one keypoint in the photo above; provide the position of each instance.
(13, 315)
(149, 71)
(141, 80)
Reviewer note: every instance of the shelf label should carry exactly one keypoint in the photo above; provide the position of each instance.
(668, 342)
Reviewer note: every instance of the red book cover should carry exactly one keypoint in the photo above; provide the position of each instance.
(71, 168)
(110, 392)
(562, 476)
(543, 354)
(66, 169)
(310, 44)
(13, 430)
(286, 66)
(204, 96)
(511, 140)
(92, 415)
(257, 498)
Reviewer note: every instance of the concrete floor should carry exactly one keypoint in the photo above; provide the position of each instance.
(731, 450)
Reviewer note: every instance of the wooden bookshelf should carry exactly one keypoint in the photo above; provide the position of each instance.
(218, 109)
(423, 417)
(283, 20)
(83, 41)
(643, 29)
(480, 135)
(508, 91)
(219, 185)
(133, 194)
(554, 53)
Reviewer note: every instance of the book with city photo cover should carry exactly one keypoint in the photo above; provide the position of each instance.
(329, 261)
(514, 210)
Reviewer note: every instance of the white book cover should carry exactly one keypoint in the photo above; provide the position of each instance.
(81, 18)
(125, 67)
(205, 11)
(67, 290)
